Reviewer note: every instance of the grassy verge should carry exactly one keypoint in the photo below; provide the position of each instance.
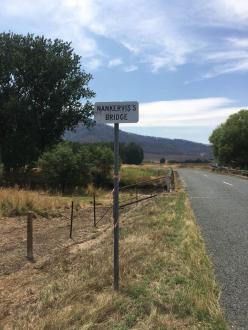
(131, 174)
(167, 280)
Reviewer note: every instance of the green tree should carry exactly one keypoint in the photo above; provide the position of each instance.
(102, 160)
(42, 86)
(133, 154)
(229, 140)
(71, 164)
(162, 160)
(63, 166)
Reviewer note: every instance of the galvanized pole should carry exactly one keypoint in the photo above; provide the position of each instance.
(116, 208)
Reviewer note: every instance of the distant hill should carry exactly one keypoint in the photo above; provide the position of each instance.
(154, 147)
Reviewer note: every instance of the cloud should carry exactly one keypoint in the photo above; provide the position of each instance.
(93, 64)
(233, 59)
(130, 68)
(239, 42)
(162, 35)
(189, 112)
(115, 62)
(144, 29)
(225, 12)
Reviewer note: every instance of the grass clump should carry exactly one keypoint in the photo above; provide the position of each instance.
(132, 173)
(15, 202)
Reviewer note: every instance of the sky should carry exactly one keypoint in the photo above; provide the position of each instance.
(184, 61)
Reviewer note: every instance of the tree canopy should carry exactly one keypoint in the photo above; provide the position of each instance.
(229, 141)
(133, 154)
(70, 164)
(42, 86)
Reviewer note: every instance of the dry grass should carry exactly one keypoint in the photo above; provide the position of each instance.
(14, 202)
(167, 280)
(132, 173)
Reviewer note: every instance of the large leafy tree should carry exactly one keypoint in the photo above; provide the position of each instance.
(230, 140)
(42, 87)
(133, 154)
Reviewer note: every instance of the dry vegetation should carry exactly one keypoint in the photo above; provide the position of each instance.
(14, 202)
(167, 280)
(17, 202)
(133, 173)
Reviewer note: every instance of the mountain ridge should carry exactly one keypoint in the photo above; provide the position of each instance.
(154, 147)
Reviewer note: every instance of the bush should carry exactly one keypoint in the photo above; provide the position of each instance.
(68, 165)
(133, 154)
(102, 160)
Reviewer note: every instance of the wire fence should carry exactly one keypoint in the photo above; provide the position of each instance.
(141, 191)
(35, 238)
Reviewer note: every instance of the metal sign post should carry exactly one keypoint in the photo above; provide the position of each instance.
(115, 113)
(116, 208)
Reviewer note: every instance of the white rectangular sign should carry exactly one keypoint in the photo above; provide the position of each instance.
(116, 112)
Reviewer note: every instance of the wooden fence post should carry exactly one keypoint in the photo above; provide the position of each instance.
(30, 236)
(72, 204)
(94, 208)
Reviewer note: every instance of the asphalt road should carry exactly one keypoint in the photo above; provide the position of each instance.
(220, 203)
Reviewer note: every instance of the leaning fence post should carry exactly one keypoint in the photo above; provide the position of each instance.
(94, 208)
(30, 236)
(72, 205)
(136, 194)
(172, 179)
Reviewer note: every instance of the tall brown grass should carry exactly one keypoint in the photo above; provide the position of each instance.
(167, 281)
(15, 201)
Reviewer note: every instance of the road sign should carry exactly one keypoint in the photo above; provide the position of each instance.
(116, 112)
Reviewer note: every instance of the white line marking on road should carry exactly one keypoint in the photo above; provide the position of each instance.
(205, 175)
(229, 184)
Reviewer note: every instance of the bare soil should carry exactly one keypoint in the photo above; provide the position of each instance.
(21, 279)
(49, 235)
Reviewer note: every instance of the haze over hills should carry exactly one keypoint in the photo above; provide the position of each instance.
(154, 147)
